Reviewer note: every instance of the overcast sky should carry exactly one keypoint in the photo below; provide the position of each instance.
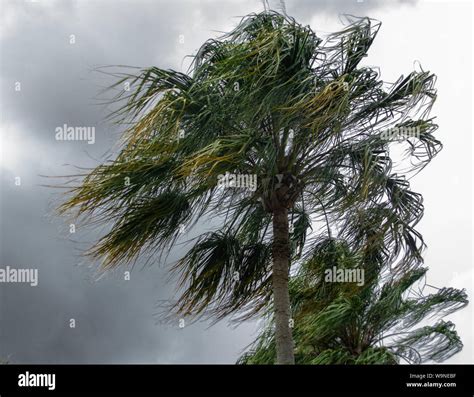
(115, 318)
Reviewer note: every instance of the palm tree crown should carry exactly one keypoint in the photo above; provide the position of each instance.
(272, 100)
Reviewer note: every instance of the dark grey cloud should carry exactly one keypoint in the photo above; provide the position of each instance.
(115, 319)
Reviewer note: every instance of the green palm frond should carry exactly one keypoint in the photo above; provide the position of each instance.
(372, 323)
(437, 343)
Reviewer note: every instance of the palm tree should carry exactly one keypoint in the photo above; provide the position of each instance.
(270, 100)
(372, 323)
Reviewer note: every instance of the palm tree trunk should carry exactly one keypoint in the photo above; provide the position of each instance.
(281, 296)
